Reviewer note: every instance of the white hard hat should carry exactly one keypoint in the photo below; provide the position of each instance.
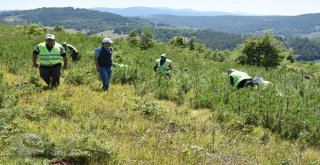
(258, 80)
(107, 40)
(50, 36)
(163, 55)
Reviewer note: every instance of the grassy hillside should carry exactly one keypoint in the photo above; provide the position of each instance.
(194, 118)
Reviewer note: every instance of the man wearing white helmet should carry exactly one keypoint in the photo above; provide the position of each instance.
(50, 53)
(103, 61)
(163, 65)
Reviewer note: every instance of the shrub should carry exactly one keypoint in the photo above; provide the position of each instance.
(263, 51)
(146, 39)
(58, 28)
(32, 114)
(34, 29)
(163, 88)
(179, 41)
(34, 145)
(85, 150)
(57, 106)
(124, 75)
(75, 78)
(203, 100)
(148, 109)
(133, 38)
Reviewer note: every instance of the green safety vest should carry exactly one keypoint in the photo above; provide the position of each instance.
(239, 76)
(49, 58)
(163, 69)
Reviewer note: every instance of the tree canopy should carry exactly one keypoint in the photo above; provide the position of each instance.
(265, 51)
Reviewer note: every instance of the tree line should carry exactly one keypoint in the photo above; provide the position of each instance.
(91, 22)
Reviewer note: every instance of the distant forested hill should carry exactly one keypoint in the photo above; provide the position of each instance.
(148, 11)
(215, 32)
(80, 19)
(91, 22)
(306, 49)
(214, 40)
(279, 25)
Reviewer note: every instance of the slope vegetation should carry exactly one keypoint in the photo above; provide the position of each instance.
(195, 117)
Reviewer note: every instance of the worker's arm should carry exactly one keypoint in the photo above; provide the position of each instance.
(96, 60)
(34, 60)
(35, 56)
(97, 64)
(65, 62)
(155, 66)
(170, 66)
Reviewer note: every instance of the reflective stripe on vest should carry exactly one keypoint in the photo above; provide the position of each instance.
(49, 58)
(163, 69)
(239, 76)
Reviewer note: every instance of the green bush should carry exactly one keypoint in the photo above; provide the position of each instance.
(32, 145)
(34, 29)
(146, 39)
(32, 114)
(133, 38)
(147, 108)
(85, 150)
(163, 88)
(58, 106)
(263, 51)
(124, 74)
(75, 78)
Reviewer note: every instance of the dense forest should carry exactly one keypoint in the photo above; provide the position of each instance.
(305, 49)
(214, 40)
(89, 21)
(95, 21)
(149, 11)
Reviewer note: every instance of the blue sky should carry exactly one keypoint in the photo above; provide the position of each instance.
(261, 7)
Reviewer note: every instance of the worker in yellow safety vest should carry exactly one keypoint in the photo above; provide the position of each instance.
(239, 79)
(49, 54)
(163, 65)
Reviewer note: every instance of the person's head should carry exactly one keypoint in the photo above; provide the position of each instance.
(106, 42)
(163, 56)
(257, 80)
(230, 71)
(50, 39)
(64, 44)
